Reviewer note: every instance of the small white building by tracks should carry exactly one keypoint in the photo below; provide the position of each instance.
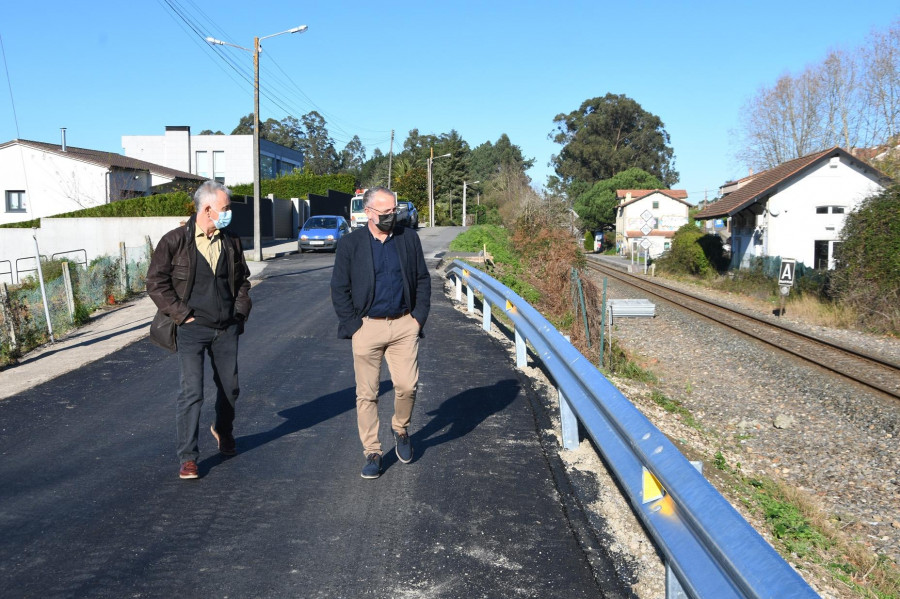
(795, 210)
(652, 214)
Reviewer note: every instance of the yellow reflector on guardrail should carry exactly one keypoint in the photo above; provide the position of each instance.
(652, 490)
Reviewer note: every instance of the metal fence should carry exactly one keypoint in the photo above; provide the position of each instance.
(709, 549)
(74, 288)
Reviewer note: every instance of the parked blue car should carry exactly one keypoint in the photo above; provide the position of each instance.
(322, 232)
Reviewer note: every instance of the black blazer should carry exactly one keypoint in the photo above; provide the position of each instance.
(353, 278)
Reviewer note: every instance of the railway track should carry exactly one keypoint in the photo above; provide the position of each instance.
(859, 366)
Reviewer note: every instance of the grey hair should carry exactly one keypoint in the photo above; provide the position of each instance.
(206, 193)
(370, 193)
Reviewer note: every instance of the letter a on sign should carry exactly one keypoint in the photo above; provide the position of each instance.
(786, 272)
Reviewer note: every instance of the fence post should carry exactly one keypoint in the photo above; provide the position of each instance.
(70, 297)
(7, 313)
(123, 268)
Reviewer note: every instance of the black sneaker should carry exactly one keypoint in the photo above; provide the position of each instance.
(404, 447)
(372, 469)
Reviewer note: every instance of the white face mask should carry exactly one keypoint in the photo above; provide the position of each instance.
(224, 219)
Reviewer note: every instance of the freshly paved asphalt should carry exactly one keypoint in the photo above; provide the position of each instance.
(91, 504)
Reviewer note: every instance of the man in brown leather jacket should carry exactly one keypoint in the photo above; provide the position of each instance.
(199, 278)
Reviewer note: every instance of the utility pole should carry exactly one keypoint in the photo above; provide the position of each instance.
(391, 161)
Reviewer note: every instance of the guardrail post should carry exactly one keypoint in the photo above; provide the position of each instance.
(470, 299)
(567, 419)
(486, 315)
(6, 310)
(70, 297)
(568, 422)
(458, 288)
(521, 361)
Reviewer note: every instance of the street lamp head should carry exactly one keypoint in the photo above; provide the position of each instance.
(444, 156)
(300, 29)
(213, 40)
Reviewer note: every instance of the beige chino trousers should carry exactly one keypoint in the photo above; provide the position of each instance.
(396, 342)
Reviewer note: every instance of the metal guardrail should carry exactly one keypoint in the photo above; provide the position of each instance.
(707, 545)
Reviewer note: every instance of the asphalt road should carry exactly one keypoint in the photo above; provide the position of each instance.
(91, 504)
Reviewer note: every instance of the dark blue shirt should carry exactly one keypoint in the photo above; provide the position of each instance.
(388, 279)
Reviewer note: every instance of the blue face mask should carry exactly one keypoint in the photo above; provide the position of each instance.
(224, 219)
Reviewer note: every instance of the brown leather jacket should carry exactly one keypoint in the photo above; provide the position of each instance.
(173, 266)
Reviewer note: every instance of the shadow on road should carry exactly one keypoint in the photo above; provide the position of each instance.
(297, 418)
(463, 412)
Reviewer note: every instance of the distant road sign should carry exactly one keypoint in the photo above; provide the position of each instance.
(646, 229)
(645, 243)
(786, 272)
(646, 215)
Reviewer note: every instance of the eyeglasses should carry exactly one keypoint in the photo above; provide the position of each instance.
(389, 211)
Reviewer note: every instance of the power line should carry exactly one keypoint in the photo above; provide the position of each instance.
(9, 83)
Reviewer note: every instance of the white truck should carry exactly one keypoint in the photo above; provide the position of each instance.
(358, 216)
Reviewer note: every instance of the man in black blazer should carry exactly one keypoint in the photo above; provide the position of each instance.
(381, 291)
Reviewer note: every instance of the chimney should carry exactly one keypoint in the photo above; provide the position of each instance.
(62, 131)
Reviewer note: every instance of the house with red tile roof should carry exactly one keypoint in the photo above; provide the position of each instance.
(41, 179)
(651, 214)
(795, 210)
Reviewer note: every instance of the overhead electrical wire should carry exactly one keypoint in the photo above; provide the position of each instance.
(275, 91)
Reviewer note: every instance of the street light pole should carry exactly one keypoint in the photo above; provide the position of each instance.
(465, 184)
(431, 187)
(257, 237)
(256, 256)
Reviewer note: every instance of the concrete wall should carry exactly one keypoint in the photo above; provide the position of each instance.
(96, 236)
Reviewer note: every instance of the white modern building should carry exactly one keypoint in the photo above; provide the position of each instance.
(795, 210)
(225, 158)
(39, 179)
(649, 217)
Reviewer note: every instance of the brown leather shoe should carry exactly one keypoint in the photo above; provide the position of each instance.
(225, 442)
(188, 470)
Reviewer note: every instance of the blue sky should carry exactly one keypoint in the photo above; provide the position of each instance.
(482, 68)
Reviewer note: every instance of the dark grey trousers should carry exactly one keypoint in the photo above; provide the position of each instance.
(194, 341)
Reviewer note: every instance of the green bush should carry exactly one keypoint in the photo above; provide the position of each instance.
(299, 185)
(867, 274)
(588, 241)
(170, 204)
(690, 252)
(25, 224)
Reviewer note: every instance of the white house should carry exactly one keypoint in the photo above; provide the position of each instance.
(225, 158)
(795, 210)
(651, 214)
(39, 179)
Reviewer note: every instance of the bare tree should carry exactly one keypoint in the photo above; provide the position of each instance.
(850, 99)
(782, 122)
(842, 106)
(882, 81)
